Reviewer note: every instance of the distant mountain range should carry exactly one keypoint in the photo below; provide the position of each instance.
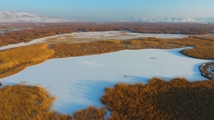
(27, 17)
(173, 19)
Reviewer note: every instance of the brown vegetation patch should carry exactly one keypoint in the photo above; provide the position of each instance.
(111, 41)
(91, 113)
(206, 37)
(16, 59)
(202, 49)
(161, 100)
(99, 47)
(21, 102)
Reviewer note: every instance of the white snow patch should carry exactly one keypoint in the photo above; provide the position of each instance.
(79, 82)
(121, 35)
(36, 41)
(80, 37)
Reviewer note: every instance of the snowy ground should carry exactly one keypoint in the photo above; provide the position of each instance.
(79, 37)
(40, 40)
(79, 82)
(118, 35)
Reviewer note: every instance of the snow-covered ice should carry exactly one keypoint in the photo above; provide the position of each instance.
(80, 37)
(78, 82)
(122, 35)
(117, 35)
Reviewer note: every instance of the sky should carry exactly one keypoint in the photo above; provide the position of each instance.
(111, 10)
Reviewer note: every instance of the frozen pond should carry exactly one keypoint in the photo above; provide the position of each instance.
(79, 82)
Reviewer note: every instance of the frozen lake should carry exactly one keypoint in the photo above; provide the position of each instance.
(79, 82)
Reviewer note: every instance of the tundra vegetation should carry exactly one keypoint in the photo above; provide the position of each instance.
(22, 102)
(15, 60)
(175, 99)
(161, 100)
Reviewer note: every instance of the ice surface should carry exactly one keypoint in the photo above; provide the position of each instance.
(78, 82)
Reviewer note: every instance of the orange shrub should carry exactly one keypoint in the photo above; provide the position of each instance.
(161, 100)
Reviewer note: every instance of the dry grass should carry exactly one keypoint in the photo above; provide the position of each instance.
(28, 54)
(200, 51)
(16, 59)
(203, 49)
(91, 48)
(210, 38)
(22, 102)
(111, 41)
(81, 49)
(136, 42)
(92, 113)
(160, 100)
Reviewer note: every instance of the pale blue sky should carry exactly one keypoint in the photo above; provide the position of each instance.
(107, 10)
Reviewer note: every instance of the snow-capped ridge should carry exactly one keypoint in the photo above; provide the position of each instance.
(8, 16)
(173, 19)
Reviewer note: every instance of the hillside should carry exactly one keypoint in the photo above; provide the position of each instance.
(27, 17)
(174, 19)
